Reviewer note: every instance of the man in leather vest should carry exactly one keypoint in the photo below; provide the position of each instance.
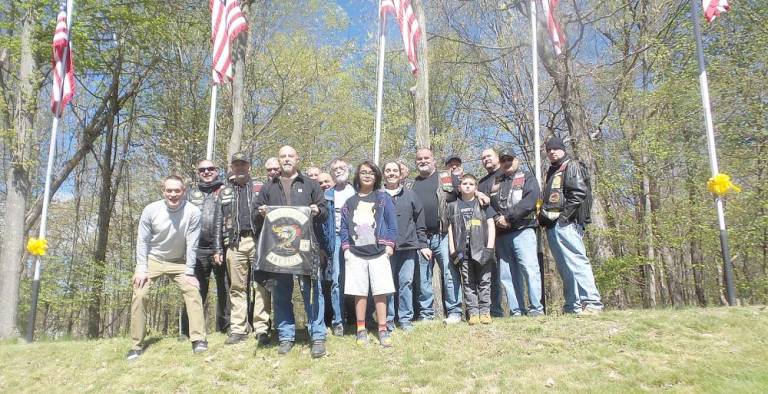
(490, 160)
(564, 200)
(210, 252)
(514, 196)
(240, 236)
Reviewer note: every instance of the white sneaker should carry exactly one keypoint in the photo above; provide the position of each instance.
(453, 318)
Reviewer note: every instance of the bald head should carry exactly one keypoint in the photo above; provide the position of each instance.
(288, 159)
(425, 162)
(313, 172)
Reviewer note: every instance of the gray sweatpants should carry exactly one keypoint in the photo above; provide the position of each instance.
(476, 280)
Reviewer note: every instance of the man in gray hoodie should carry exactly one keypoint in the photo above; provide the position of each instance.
(167, 239)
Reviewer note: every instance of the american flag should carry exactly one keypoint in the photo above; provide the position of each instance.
(713, 8)
(62, 55)
(409, 27)
(227, 21)
(552, 27)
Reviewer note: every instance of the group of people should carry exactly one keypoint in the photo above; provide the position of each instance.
(379, 235)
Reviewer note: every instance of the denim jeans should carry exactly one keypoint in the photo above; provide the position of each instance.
(402, 263)
(337, 283)
(518, 267)
(579, 287)
(451, 279)
(313, 303)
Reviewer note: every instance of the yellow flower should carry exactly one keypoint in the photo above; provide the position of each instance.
(721, 184)
(37, 247)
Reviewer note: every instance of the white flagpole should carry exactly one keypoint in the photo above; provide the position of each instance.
(47, 192)
(704, 85)
(537, 138)
(379, 86)
(211, 125)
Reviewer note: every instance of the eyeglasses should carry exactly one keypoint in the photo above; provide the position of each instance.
(275, 169)
(206, 169)
(366, 173)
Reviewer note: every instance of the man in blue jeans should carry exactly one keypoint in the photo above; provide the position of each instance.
(291, 188)
(565, 212)
(513, 196)
(434, 191)
(339, 193)
(411, 240)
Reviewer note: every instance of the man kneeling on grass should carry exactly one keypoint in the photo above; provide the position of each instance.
(471, 235)
(168, 233)
(368, 232)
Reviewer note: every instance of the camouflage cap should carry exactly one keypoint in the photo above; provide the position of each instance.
(240, 156)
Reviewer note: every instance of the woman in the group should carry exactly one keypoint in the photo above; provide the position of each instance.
(368, 233)
(411, 239)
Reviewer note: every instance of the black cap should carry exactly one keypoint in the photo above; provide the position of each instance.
(240, 156)
(555, 143)
(452, 157)
(506, 153)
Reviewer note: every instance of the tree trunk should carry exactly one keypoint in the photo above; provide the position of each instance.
(240, 50)
(420, 92)
(649, 270)
(17, 181)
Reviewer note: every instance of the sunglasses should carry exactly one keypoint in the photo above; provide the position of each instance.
(273, 169)
(206, 169)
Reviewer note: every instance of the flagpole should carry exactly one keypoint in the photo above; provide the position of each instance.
(704, 85)
(379, 86)
(211, 125)
(537, 139)
(47, 192)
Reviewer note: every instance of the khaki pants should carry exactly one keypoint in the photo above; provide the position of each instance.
(191, 295)
(239, 259)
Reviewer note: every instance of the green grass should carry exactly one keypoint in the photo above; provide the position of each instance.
(691, 350)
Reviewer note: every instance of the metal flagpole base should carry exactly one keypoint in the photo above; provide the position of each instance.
(33, 312)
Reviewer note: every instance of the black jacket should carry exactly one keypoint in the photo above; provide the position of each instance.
(523, 214)
(229, 201)
(410, 221)
(206, 198)
(574, 191)
(304, 192)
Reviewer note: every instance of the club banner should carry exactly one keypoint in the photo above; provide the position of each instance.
(287, 243)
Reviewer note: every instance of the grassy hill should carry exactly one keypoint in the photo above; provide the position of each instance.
(691, 350)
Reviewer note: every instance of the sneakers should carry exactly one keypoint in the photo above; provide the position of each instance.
(133, 354)
(318, 348)
(199, 346)
(338, 330)
(361, 338)
(535, 313)
(262, 339)
(385, 339)
(590, 310)
(407, 327)
(453, 318)
(473, 319)
(235, 339)
(485, 318)
(284, 347)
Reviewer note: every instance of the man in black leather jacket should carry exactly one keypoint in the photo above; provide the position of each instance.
(563, 214)
(240, 234)
(209, 246)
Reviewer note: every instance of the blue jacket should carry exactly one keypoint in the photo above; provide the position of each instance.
(329, 227)
(386, 222)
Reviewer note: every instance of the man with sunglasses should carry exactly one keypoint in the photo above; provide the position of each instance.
(209, 258)
(513, 197)
(273, 168)
(239, 233)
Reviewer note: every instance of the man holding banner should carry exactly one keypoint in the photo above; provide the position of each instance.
(291, 250)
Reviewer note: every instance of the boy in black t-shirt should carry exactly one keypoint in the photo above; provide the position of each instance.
(471, 236)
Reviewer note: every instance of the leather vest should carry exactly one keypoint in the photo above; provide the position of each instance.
(207, 204)
(476, 229)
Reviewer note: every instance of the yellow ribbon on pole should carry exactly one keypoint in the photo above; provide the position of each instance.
(721, 184)
(37, 246)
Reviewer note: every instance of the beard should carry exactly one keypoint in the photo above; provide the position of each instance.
(342, 178)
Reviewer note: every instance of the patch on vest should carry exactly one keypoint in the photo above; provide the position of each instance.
(554, 197)
(446, 182)
(558, 181)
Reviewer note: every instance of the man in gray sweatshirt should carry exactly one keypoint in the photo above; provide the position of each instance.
(166, 244)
